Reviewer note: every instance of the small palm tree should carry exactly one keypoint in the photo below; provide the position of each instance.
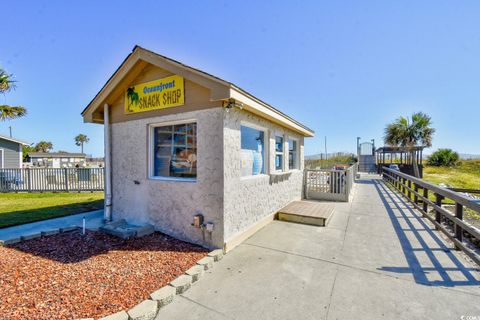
(9, 112)
(81, 139)
(410, 133)
(44, 146)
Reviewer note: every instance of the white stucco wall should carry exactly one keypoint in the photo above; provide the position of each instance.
(249, 199)
(170, 205)
(231, 202)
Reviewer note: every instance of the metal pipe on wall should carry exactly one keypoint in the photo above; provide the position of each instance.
(108, 164)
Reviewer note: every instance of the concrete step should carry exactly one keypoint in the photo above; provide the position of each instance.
(122, 229)
(307, 212)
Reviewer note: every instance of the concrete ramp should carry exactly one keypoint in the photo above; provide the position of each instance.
(307, 212)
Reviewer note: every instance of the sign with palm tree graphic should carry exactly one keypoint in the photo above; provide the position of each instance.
(158, 94)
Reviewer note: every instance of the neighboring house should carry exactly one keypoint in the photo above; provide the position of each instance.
(95, 162)
(192, 154)
(11, 155)
(55, 159)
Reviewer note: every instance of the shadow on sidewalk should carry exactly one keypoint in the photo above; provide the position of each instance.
(442, 267)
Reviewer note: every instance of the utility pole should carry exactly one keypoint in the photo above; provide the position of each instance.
(358, 146)
(326, 154)
(10, 127)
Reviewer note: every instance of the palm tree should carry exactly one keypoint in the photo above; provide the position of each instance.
(9, 112)
(410, 133)
(81, 139)
(44, 146)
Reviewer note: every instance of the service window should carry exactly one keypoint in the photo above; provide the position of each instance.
(292, 154)
(252, 153)
(175, 151)
(278, 152)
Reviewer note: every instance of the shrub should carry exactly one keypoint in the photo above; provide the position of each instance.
(443, 158)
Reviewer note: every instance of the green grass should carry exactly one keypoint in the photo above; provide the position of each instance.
(20, 208)
(329, 163)
(464, 175)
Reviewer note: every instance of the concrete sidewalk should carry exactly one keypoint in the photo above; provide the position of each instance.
(376, 260)
(94, 219)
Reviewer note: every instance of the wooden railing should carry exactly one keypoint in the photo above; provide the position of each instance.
(420, 193)
(329, 184)
(51, 179)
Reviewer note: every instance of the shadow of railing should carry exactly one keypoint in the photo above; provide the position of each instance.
(450, 271)
(363, 181)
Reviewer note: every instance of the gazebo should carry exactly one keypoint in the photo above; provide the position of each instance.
(401, 156)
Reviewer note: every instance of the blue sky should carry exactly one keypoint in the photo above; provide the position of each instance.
(343, 68)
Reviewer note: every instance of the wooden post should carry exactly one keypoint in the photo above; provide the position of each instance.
(409, 183)
(458, 229)
(415, 197)
(438, 202)
(425, 204)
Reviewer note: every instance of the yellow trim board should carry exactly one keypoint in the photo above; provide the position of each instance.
(239, 238)
(220, 89)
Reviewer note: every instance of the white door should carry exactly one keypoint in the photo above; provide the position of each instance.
(56, 163)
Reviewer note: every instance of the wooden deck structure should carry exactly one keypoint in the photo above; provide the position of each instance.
(400, 156)
(307, 212)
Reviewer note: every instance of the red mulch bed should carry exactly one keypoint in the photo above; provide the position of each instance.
(68, 276)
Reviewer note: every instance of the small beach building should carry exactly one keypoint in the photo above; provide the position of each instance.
(194, 155)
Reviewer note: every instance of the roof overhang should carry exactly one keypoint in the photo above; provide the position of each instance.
(15, 140)
(394, 149)
(220, 90)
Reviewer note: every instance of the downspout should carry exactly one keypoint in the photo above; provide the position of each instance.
(108, 164)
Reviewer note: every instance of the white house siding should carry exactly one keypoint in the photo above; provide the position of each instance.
(170, 205)
(248, 200)
(12, 153)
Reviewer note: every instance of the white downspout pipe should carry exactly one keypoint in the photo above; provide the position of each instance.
(108, 164)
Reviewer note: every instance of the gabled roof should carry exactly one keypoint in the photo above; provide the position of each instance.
(56, 155)
(14, 140)
(221, 89)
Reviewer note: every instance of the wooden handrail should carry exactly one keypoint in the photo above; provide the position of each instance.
(474, 191)
(455, 196)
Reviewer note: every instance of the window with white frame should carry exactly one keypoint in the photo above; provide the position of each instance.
(252, 153)
(175, 151)
(279, 152)
(293, 154)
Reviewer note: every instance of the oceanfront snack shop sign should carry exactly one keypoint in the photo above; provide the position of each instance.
(158, 94)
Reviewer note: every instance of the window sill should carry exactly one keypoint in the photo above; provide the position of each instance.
(258, 176)
(173, 179)
(280, 173)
